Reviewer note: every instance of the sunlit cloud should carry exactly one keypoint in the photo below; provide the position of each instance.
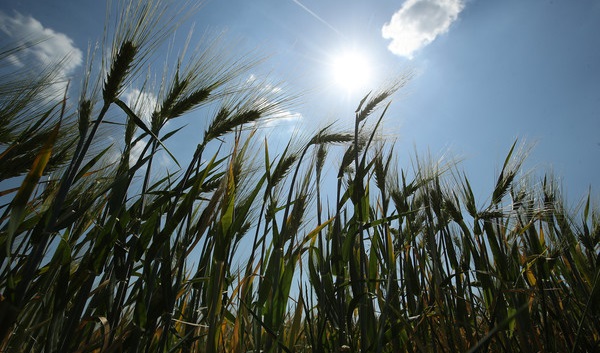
(142, 103)
(54, 47)
(268, 94)
(263, 86)
(136, 151)
(283, 118)
(418, 23)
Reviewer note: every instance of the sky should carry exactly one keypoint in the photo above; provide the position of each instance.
(484, 73)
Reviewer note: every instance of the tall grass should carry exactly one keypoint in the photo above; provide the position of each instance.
(231, 252)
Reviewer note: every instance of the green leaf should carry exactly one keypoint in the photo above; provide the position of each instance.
(85, 169)
(227, 216)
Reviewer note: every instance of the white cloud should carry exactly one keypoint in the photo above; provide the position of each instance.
(418, 23)
(268, 94)
(136, 151)
(142, 103)
(283, 117)
(54, 47)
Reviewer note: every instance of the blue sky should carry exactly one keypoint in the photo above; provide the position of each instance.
(484, 72)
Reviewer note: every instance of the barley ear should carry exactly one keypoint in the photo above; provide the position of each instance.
(118, 71)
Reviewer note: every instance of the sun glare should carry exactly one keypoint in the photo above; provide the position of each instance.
(351, 71)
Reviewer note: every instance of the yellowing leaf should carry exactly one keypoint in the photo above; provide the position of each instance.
(19, 203)
(530, 277)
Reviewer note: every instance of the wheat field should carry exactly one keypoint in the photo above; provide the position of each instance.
(239, 249)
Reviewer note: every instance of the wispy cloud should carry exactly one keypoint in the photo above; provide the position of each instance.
(142, 103)
(269, 94)
(284, 117)
(418, 23)
(53, 48)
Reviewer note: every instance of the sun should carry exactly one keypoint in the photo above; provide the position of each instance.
(351, 70)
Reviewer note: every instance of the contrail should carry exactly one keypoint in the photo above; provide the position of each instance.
(318, 18)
